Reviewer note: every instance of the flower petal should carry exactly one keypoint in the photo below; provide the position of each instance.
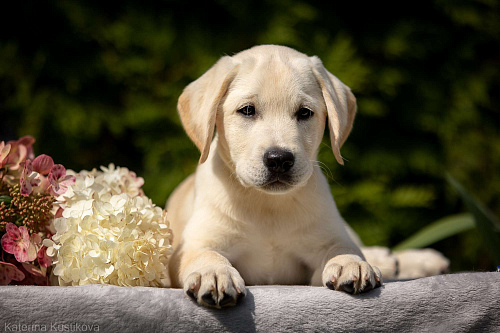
(27, 141)
(9, 272)
(43, 259)
(32, 254)
(89, 180)
(36, 239)
(16, 156)
(57, 171)
(48, 242)
(13, 231)
(56, 176)
(9, 245)
(34, 181)
(55, 187)
(25, 235)
(59, 270)
(32, 269)
(44, 184)
(4, 151)
(28, 179)
(21, 254)
(43, 164)
(26, 188)
(28, 167)
(67, 180)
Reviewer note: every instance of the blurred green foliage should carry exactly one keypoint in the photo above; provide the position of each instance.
(486, 222)
(98, 81)
(438, 230)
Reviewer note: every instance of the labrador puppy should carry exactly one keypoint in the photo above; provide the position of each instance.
(258, 210)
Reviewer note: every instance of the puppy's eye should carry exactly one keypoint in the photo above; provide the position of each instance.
(304, 114)
(247, 111)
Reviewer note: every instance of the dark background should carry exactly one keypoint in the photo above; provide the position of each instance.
(97, 82)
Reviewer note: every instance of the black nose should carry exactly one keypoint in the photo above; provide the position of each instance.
(278, 160)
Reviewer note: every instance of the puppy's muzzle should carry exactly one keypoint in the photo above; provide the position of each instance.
(278, 161)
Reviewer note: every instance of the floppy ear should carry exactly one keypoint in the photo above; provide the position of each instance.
(340, 104)
(200, 100)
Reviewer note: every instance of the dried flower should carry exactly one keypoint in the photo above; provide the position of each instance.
(26, 203)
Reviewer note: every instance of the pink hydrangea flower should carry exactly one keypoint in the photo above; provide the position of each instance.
(28, 178)
(16, 241)
(9, 272)
(59, 180)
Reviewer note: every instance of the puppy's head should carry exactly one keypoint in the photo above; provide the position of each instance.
(270, 104)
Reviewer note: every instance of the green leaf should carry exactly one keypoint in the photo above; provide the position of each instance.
(438, 230)
(5, 198)
(486, 222)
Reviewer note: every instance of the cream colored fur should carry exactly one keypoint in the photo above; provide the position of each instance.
(230, 228)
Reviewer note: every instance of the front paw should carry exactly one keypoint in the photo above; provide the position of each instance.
(215, 286)
(351, 274)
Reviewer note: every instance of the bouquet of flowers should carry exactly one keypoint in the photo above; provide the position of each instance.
(89, 227)
(28, 189)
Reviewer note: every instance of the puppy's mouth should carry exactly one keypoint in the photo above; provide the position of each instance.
(278, 183)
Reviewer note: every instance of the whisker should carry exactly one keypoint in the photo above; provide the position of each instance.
(325, 144)
(326, 170)
(324, 167)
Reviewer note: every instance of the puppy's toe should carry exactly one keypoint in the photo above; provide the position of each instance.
(331, 275)
(207, 294)
(192, 285)
(215, 286)
(347, 286)
(230, 286)
(349, 280)
(367, 280)
(208, 299)
(226, 299)
(230, 300)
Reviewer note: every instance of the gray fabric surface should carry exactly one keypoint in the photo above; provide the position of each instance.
(468, 302)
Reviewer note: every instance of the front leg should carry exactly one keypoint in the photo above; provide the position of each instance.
(210, 279)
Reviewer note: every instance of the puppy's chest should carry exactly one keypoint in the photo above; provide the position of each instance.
(269, 259)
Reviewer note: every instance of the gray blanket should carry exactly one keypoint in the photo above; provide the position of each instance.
(468, 302)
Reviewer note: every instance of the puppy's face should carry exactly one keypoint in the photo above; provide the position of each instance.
(270, 104)
(273, 119)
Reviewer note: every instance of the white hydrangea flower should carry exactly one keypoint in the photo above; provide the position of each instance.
(109, 232)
